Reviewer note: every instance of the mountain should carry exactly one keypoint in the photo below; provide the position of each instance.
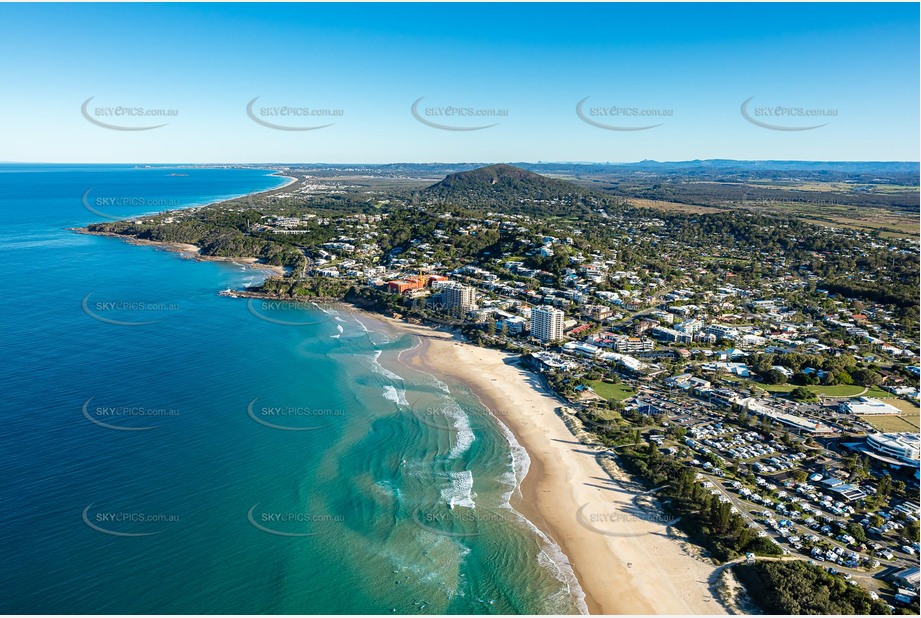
(507, 188)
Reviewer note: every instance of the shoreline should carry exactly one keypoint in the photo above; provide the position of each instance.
(194, 251)
(291, 181)
(187, 251)
(635, 566)
(625, 561)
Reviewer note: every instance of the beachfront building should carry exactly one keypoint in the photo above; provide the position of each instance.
(582, 349)
(547, 323)
(459, 297)
(513, 324)
(621, 343)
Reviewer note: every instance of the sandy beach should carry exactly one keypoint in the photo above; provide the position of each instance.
(625, 557)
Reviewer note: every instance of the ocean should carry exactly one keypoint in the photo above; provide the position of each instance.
(168, 450)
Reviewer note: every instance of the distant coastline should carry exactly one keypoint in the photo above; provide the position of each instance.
(193, 251)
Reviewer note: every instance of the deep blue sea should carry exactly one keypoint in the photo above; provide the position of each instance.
(164, 449)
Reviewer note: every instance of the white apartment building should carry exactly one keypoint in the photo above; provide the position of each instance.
(547, 323)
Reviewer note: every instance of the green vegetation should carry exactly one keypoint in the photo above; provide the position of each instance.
(801, 393)
(841, 390)
(798, 587)
(611, 392)
(310, 287)
(707, 521)
(877, 393)
(217, 232)
(513, 190)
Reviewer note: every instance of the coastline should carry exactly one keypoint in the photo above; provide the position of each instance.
(291, 181)
(193, 251)
(626, 561)
(188, 251)
(630, 566)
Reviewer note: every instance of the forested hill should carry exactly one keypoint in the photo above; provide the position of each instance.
(509, 189)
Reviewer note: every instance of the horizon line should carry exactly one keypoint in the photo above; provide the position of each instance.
(458, 162)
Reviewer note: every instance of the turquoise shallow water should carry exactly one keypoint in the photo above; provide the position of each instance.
(168, 450)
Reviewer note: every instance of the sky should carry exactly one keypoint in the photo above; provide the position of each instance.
(497, 82)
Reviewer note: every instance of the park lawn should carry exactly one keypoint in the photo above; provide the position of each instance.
(776, 388)
(611, 392)
(839, 390)
(878, 393)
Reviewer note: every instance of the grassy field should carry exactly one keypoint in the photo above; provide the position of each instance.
(906, 407)
(878, 393)
(609, 415)
(888, 224)
(835, 210)
(839, 390)
(615, 392)
(840, 187)
(638, 202)
(906, 422)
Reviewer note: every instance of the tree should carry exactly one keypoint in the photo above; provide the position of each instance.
(867, 377)
(678, 433)
(857, 531)
(912, 530)
(798, 587)
(743, 418)
(801, 393)
(884, 487)
(773, 376)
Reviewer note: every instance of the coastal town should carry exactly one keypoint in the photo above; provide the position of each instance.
(588, 309)
(788, 391)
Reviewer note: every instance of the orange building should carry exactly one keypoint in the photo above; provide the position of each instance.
(398, 287)
(414, 282)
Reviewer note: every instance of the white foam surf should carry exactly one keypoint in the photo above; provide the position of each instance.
(380, 370)
(463, 434)
(396, 396)
(460, 493)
